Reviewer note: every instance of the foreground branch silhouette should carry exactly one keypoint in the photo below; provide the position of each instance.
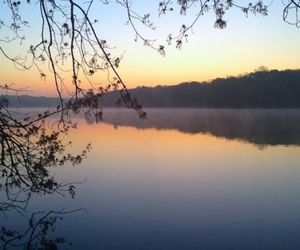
(69, 44)
(28, 149)
(37, 235)
(70, 50)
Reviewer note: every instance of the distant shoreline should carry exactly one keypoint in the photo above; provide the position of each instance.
(257, 90)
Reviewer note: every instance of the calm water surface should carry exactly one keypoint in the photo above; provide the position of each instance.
(183, 179)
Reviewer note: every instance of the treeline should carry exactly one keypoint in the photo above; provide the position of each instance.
(260, 89)
(30, 101)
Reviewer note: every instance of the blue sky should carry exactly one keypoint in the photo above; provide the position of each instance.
(246, 44)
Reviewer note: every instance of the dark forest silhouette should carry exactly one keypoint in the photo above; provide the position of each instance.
(259, 89)
(68, 37)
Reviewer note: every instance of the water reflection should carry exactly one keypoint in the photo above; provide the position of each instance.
(29, 154)
(261, 127)
(38, 232)
(158, 188)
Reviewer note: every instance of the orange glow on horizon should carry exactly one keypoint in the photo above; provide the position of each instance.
(209, 53)
(31, 80)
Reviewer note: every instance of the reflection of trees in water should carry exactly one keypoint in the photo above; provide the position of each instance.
(261, 127)
(29, 150)
(38, 233)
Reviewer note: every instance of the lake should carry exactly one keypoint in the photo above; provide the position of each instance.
(182, 179)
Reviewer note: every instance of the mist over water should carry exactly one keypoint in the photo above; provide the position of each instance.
(182, 179)
(257, 126)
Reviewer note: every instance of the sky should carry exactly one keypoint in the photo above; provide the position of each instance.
(244, 45)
